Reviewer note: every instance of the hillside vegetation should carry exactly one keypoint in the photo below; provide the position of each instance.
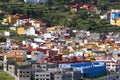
(57, 12)
(5, 76)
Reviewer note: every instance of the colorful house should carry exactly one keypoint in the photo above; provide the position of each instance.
(9, 19)
(21, 30)
(114, 17)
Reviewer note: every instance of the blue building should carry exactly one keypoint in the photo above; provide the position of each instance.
(88, 69)
(114, 16)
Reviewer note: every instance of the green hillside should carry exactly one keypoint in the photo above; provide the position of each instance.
(5, 76)
(58, 12)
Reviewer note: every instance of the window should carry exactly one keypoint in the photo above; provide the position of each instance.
(36, 75)
(37, 79)
(27, 72)
(40, 75)
(47, 75)
(119, 15)
(44, 67)
(58, 77)
(118, 55)
(20, 75)
(117, 77)
(36, 53)
(29, 53)
(27, 76)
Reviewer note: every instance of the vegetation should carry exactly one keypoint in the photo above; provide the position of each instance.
(5, 76)
(57, 12)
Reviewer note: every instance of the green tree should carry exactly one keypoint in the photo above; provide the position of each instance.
(49, 3)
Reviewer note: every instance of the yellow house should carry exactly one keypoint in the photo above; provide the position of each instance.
(21, 30)
(5, 20)
(117, 22)
(9, 19)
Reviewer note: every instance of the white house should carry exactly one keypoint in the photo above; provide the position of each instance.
(31, 31)
(7, 33)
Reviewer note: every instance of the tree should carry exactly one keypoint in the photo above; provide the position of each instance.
(49, 3)
(83, 14)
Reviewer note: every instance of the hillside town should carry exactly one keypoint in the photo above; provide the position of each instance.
(32, 50)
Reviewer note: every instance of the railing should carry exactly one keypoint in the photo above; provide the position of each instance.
(115, 76)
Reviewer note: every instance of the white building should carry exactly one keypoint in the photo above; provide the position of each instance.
(37, 24)
(33, 1)
(30, 31)
(7, 33)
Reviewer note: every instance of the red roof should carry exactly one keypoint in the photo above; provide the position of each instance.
(76, 6)
(21, 16)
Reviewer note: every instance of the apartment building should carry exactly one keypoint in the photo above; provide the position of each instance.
(69, 75)
(62, 76)
(44, 75)
(24, 74)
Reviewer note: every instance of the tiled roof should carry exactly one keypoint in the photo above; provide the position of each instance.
(16, 51)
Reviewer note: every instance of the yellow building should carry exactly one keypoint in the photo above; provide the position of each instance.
(17, 59)
(90, 56)
(21, 30)
(5, 20)
(9, 19)
(117, 22)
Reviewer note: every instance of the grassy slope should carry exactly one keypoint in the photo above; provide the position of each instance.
(5, 76)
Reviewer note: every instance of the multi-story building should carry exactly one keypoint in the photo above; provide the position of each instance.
(110, 64)
(24, 74)
(68, 75)
(87, 69)
(19, 70)
(52, 72)
(11, 69)
(62, 76)
(44, 75)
